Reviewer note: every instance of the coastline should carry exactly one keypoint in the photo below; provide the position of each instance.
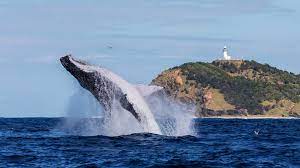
(248, 117)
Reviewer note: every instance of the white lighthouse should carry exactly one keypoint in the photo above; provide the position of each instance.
(225, 54)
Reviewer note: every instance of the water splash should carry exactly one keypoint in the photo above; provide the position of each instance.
(86, 117)
(175, 118)
(121, 122)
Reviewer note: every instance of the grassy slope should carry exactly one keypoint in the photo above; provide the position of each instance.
(246, 84)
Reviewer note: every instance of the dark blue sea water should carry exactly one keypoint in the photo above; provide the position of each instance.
(39, 142)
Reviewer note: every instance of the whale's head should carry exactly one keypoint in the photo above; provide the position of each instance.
(81, 71)
(72, 64)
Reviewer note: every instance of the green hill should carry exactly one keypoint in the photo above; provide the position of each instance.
(234, 87)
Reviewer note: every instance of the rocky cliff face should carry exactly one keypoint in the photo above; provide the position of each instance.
(234, 87)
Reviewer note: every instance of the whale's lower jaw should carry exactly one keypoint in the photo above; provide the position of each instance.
(102, 84)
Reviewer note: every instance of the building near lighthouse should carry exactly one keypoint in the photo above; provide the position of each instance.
(228, 59)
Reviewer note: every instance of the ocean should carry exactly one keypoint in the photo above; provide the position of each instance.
(41, 142)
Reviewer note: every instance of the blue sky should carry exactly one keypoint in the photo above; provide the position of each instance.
(146, 36)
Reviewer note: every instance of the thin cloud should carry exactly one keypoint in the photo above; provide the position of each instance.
(230, 7)
(20, 40)
(173, 57)
(98, 56)
(48, 59)
(173, 37)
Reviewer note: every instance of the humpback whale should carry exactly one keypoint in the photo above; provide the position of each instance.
(108, 87)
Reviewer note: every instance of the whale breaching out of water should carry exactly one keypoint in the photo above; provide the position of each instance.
(109, 88)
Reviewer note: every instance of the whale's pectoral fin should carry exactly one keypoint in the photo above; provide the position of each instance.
(129, 107)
